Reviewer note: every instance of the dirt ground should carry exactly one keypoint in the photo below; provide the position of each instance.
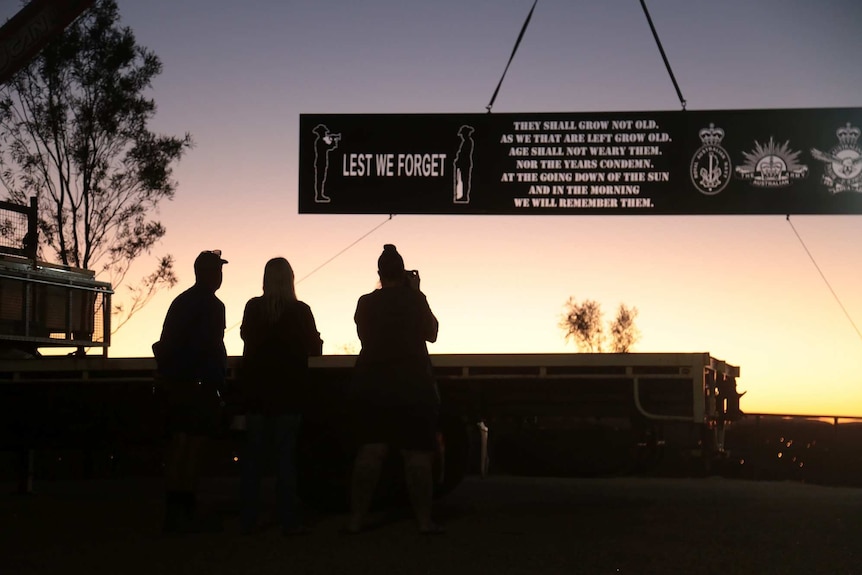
(496, 525)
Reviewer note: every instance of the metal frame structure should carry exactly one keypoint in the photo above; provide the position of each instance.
(49, 305)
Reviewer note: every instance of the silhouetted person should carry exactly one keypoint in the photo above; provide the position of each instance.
(463, 166)
(324, 142)
(395, 391)
(279, 334)
(192, 363)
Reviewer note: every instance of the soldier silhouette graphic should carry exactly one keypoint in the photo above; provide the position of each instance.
(324, 143)
(463, 165)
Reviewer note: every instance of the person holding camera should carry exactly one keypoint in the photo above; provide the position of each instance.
(394, 389)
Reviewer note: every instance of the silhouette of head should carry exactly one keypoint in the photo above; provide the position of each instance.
(390, 264)
(208, 269)
(278, 279)
(321, 130)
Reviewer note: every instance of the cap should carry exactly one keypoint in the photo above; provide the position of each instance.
(209, 259)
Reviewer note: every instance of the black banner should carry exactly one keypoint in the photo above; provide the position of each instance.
(804, 161)
(39, 22)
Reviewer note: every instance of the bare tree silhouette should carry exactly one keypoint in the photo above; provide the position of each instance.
(73, 126)
(624, 332)
(582, 322)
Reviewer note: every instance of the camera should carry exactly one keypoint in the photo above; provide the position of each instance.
(411, 278)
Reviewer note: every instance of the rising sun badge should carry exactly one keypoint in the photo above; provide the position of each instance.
(710, 166)
(843, 170)
(771, 166)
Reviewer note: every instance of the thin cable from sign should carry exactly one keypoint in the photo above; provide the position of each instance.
(799, 237)
(512, 56)
(365, 235)
(663, 55)
(318, 268)
(822, 275)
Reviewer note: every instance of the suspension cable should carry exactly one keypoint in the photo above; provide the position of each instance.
(663, 55)
(515, 49)
(822, 275)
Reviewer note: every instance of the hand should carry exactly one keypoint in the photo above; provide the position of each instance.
(413, 279)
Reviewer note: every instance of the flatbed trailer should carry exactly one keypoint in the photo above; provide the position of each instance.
(618, 412)
(573, 414)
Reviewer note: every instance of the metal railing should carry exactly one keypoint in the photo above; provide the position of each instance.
(825, 449)
(19, 229)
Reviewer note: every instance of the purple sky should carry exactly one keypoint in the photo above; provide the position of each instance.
(237, 75)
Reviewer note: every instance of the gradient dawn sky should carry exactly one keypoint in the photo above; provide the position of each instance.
(237, 75)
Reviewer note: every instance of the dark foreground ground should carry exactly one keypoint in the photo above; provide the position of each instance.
(495, 525)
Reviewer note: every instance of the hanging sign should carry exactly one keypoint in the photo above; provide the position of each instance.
(802, 161)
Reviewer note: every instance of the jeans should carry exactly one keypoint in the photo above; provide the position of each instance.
(278, 433)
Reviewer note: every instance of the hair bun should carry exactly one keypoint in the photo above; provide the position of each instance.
(390, 264)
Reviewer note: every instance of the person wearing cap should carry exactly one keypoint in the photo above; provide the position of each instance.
(394, 390)
(191, 364)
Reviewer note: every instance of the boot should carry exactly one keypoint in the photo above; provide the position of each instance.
(191, 521)
(175, 512)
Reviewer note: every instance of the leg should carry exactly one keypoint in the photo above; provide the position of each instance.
(176, 515)
(175, 454)
(185, 450)
(25, 471)
(420, 486)
(366, 473)
(194, 453)
(192, 463)
(251, 471)
(287, 429)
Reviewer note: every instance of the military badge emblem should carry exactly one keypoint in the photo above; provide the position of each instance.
(843, 170)
(771, 165)
(710, 167)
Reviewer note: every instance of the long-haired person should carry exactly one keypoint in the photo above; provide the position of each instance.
(279, 335)
(394, 390)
